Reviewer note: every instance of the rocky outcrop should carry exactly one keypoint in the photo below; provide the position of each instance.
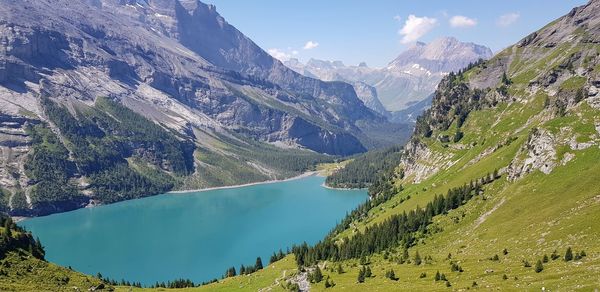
(14, 146)
(419, 162)
(539, 153)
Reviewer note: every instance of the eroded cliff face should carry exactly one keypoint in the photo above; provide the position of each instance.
(184, 49)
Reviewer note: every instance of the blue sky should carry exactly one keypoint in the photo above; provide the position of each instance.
(376, 31)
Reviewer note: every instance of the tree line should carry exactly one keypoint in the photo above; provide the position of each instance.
(366, 169)
(15, 237)
(398, 230)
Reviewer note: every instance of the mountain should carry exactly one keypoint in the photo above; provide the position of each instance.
(131, 98)
(412, 112)
(408, 79)
(441, 55)
(496, 190)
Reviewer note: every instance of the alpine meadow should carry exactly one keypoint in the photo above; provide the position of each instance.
(150, 145)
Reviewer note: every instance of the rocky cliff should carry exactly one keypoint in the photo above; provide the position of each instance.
(179, 65)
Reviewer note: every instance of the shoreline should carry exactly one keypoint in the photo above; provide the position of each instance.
(183, 192)
(342, 189)
(303, 175)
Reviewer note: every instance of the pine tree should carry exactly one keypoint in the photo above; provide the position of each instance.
(339, 269)
(273, 258)
(368, 272)
(417, 258)
(437, 276)
(317, 275)
(505, 79)
(539, 266)
(569, 254)
(7, 229)
(242, 270)
(545, 259)
(259, 264)
(231, 272)
(405, 255)
(361, 275)
(390, 274)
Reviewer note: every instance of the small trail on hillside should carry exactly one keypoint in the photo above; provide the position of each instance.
(269, 288)
(485, 215)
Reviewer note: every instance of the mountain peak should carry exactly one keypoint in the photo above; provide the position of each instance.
(444, 54)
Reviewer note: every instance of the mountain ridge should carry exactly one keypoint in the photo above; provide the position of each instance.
(410, 78)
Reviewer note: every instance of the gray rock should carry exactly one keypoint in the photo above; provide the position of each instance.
(164, 51)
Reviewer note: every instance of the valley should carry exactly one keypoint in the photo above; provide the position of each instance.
(484, 178)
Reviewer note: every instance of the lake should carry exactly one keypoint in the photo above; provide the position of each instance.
(196, 235)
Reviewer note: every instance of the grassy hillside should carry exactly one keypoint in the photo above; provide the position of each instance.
(518, 138)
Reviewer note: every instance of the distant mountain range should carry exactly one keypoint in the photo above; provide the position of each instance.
(406, 81)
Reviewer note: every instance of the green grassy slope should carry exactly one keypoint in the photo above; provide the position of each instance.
(539, 128)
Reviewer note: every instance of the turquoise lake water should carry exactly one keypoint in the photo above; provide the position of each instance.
(194, 235)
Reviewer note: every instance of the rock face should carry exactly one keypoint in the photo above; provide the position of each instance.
(408, 79)
(183, 49)
(540, 154)
(368, 95)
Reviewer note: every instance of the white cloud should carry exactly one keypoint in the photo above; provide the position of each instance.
(279, 54)
(416, 27)
(294, 52)
(310, 45)
(508, 19)
(462, 21)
